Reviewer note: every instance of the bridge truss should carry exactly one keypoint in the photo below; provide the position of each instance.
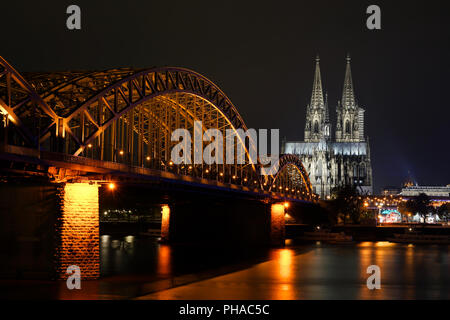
(127, 116)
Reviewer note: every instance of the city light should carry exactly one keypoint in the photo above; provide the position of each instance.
(286, 204)
(111, 186)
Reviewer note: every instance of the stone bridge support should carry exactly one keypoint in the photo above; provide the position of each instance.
(77, 230)
(277, 224)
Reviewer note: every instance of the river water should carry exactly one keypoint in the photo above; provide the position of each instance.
(298, 271)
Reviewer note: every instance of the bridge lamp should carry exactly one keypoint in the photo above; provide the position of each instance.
(207, 171)
(148, 158)
(111, 186)
(280, 188)
(286, 204)
(190, 167)
(221, 174)
(245, 179)
(121, 152)
(234, 177)
(170, 163)
(89, 145)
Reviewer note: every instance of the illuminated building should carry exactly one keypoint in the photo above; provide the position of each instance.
(431, 191)
(344, 161)
(390, 191)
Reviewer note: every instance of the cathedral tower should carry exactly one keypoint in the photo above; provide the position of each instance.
(334, 163)
(317, 125)
(350, 117)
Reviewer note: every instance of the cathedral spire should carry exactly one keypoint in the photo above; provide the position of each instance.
(317, 92)
(348, 94)
(327, 114)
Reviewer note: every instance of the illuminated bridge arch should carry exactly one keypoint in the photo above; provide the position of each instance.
(291, 178)
(127, 115)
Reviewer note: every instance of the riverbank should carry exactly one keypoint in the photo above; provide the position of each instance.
(370, 233)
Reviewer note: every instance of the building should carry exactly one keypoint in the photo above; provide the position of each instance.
(390, 191)
(431, 191)
(339, 159)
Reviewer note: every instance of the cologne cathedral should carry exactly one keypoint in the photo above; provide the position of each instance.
(339, 159)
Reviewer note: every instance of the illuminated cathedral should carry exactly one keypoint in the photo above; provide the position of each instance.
(339, 159)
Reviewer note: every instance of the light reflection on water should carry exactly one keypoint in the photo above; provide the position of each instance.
(307, 271)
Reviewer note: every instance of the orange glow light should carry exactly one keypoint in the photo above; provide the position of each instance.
(286, 204)
(111, 186)
(165, 220)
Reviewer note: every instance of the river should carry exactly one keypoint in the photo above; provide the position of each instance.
(298, 271)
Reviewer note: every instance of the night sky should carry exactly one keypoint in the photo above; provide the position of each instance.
(262, 55)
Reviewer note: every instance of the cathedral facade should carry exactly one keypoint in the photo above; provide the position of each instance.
(339, 158)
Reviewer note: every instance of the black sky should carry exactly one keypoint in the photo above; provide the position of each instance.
(262, 55)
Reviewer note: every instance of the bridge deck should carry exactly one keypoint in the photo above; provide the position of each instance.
(97, 170)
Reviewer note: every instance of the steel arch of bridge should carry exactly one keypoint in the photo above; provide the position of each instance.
(127, 115)
(290, 174)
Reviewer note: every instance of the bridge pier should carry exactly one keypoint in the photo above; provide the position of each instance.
(77, 230)
(165, 223)
(277, 224)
